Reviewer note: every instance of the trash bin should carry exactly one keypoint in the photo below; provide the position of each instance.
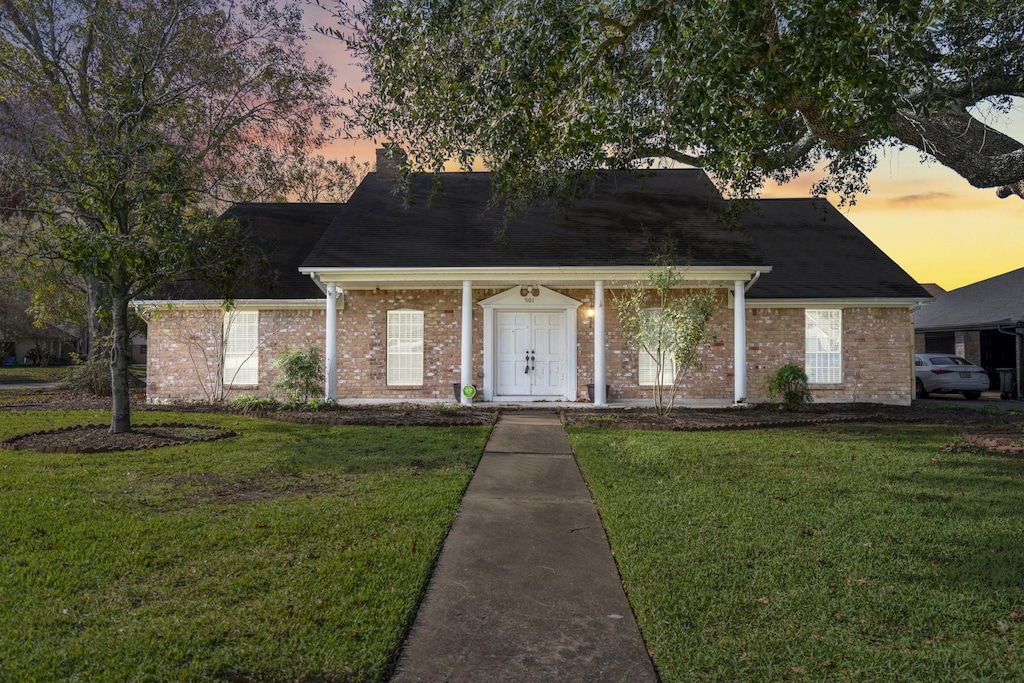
(1005, 382)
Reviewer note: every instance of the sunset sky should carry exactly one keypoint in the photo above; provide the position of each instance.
(924, 216)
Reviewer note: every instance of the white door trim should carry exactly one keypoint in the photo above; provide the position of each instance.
(545, 299)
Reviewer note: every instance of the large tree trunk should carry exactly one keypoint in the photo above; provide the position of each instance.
(120, 416)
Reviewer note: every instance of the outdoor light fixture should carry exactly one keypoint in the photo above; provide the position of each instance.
(590, 312)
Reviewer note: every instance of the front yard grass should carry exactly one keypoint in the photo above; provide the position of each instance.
(843, 553)
(22, 374)
(290, 552)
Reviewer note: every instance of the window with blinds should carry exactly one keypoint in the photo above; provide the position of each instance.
(649, 370)
(648, 366)
(241, 342)
(405, 348)
(824, 351)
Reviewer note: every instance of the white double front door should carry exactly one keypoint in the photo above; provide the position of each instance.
(531, 353)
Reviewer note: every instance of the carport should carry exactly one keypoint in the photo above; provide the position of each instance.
(983, 323)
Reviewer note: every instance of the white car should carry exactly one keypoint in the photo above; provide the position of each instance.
(946, 373)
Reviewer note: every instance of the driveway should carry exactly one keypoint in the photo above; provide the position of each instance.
(989, 399)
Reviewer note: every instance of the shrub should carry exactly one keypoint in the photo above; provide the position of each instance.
(790, 383)
(250, 404)
(447, 408)
(302, 374)
(89, 376)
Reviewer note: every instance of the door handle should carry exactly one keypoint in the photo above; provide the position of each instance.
(526, 369)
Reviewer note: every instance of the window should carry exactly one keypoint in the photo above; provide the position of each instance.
(823, 356)
(949, 360)
(649, 370)
(648, 367)
(241, 339)
(405, 348)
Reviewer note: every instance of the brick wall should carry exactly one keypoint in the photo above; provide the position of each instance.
(968, 345)
(877, 349)
(877, 360)
(184, 362)
(919, 343)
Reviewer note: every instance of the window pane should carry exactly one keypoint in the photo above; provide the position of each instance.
(823, 355)
(648, 370)
(241, 342)
(405, 348)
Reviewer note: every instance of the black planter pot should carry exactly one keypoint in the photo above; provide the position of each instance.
(590, 391)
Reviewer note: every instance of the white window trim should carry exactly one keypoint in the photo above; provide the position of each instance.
(833, 374)
(409, 373)
(241, 356)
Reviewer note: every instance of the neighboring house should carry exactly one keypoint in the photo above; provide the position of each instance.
(983, 322)
(140, 348)
(430, 290)
(24, 343)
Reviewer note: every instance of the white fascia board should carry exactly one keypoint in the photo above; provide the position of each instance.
(870, 302)
(238, 305)
(406, 278)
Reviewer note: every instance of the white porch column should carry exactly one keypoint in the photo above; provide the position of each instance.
(600, 398)
(739, 360)
(331, 352)
(466, 376)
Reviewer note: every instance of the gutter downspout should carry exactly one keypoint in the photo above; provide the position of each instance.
(1015, 332)
(753, 280)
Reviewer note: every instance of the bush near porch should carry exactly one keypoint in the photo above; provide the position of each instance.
(291, 552)
(846, 553)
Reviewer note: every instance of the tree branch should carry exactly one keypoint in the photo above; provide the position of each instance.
(984, 156)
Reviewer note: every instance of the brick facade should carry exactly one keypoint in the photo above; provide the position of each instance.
(184, 346)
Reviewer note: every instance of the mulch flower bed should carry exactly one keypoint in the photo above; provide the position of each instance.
(1002, 442)
(1000, 430)
(389, 416)
(98, 439)
(759, 416)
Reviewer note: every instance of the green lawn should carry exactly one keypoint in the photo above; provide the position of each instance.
(851, 553)
(288, 553)
(22, 374)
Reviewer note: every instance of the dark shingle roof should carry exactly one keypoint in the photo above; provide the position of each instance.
(997, 300)
(815, 252)
(618, 222)
(289, 232)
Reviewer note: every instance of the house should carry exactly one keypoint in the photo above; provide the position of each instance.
(22, 342)
(982, 322)
(413, 295)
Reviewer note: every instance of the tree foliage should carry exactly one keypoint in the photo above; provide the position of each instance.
(125, 121)
(668, 325)
(301, 178)
(748, 89)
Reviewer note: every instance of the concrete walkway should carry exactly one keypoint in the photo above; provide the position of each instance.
(526, 588)
(22, 386)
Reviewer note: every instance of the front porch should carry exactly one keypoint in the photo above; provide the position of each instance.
(541, 342)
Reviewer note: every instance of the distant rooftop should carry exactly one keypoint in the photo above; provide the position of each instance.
(997, 301)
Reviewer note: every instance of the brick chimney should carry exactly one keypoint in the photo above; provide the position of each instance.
(390, 160)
